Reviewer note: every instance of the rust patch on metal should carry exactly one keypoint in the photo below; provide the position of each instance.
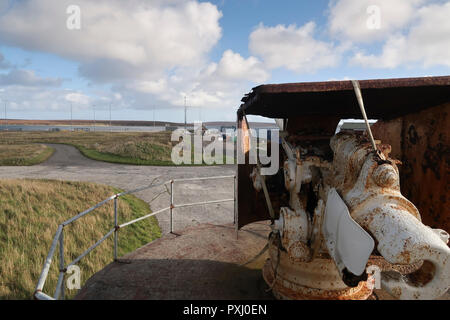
(422, 142)
(423, 275)
(383, 98)
(281, 291)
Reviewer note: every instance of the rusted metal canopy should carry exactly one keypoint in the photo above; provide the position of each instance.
(383, 98)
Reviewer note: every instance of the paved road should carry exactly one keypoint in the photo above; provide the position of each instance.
(68, 163)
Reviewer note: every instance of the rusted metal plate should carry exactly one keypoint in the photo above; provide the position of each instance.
(312, 127)
(251, 205)
(383, 98)
(422, 142)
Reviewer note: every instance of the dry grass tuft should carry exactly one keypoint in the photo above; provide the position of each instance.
(24, 154)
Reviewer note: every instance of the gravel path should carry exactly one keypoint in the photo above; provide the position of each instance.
(67, 163)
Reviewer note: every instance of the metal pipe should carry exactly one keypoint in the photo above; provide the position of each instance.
(38, 295)
(142, 188)
(74, 262)
(61, 264)
(48, 260)
(59, 286)
(171, 206)
(142, 218)
(87, 211)
(115, 229)
(201, 203)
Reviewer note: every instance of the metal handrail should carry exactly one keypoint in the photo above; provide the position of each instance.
(59, 235)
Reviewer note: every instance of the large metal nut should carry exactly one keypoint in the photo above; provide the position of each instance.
(385, 176)
(299, 252)
(293, 226)
(442, 234)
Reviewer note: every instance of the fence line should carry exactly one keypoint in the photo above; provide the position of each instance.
(59, 235)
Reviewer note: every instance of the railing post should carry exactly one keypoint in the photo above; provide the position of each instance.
(115, 229)
(171, 206)
(61, 262)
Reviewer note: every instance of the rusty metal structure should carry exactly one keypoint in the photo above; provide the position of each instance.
(337, 206)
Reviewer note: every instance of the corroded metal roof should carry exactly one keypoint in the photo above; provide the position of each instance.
(383, 98)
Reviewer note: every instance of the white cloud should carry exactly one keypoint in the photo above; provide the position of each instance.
(292, 47)
(154, 53)
(150, 52)
(426, 43)
(215, 85)
(348, 18)
(127, 38)
(78, 98)
(234, 66)
(27, 78)
(37, 99)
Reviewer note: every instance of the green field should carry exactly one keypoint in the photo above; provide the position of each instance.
(134, 148)
(118, 147)
(30, 212)
(24, 154)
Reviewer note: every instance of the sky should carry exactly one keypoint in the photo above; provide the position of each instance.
(145, 58)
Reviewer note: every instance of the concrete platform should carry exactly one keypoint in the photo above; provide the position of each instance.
(199, 263)
(202, 262)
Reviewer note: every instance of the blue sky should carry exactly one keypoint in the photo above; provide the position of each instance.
(142, 55)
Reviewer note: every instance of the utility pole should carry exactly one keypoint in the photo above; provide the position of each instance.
(94, 115)
(6, 118)
(110, 128)
(154, 124)
(71, 117)
(185, 112)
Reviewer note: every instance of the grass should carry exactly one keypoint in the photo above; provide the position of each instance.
(24, 155)
(134, 148)
(118, 147)
(30, 212)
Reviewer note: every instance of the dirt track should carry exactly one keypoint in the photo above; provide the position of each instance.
(68, 163)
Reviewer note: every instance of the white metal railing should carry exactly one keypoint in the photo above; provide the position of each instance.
(58, 239)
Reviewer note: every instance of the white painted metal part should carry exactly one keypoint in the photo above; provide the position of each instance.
(371, 189)
(348, 243)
